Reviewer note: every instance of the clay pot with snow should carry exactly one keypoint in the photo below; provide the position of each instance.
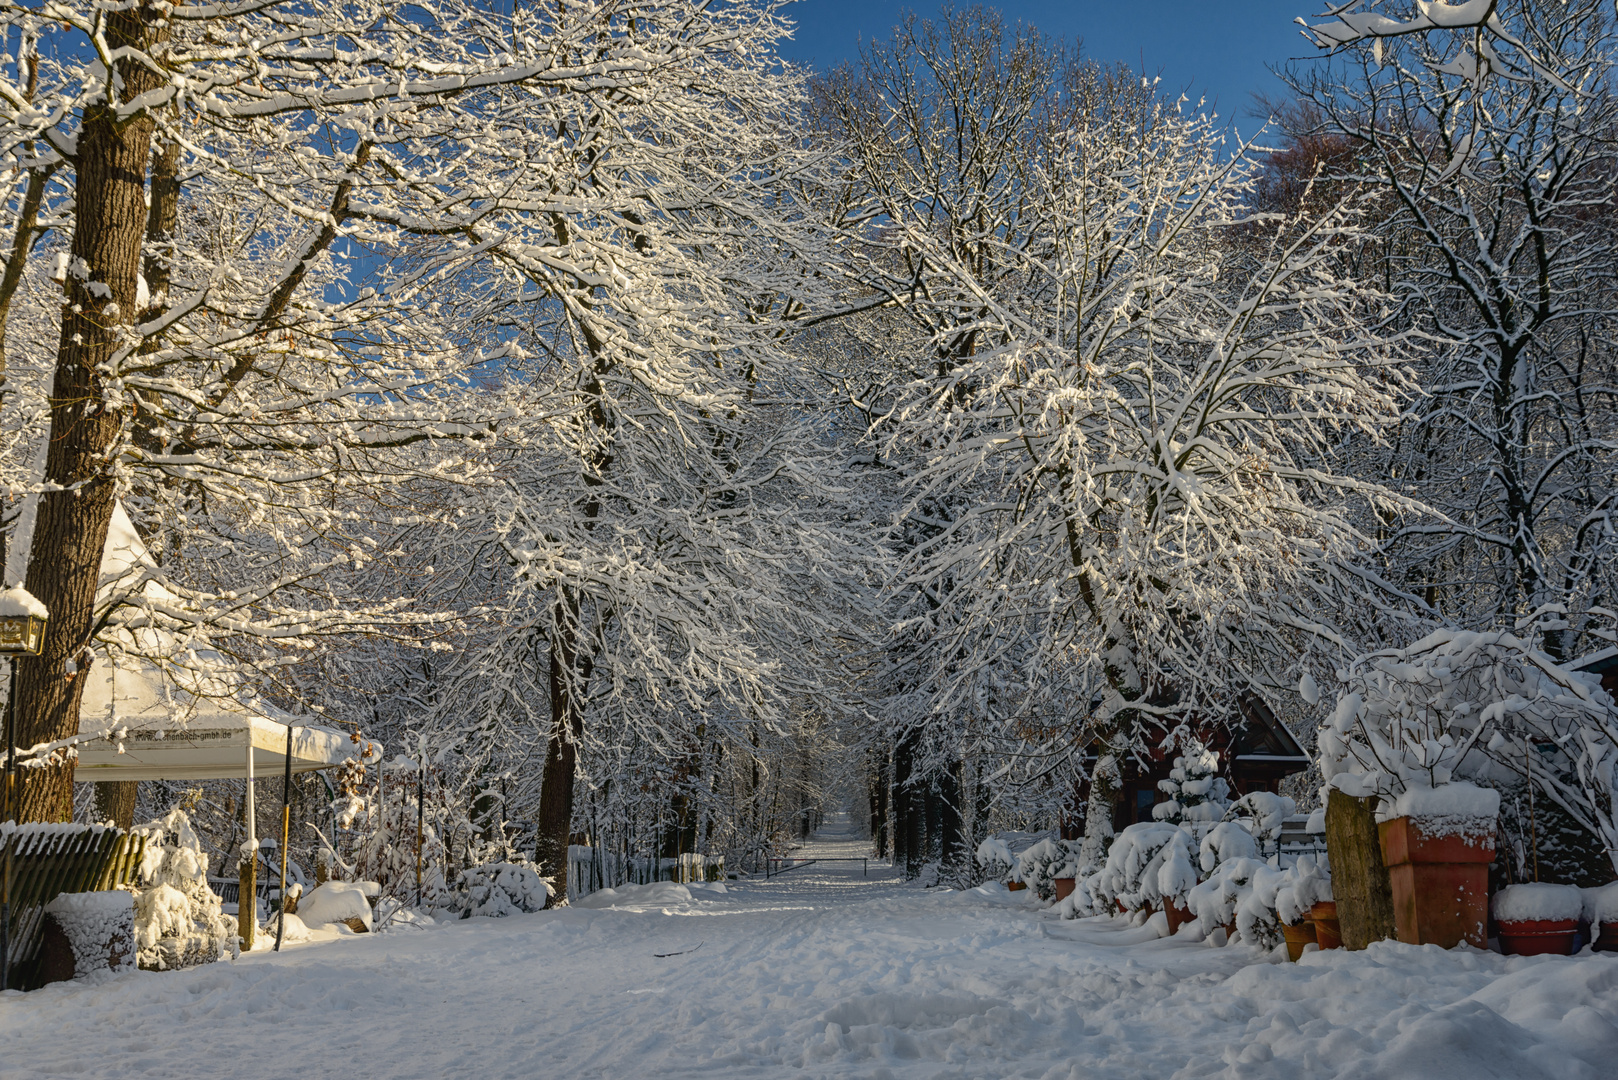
(1537, 919)
(1437, 847)
(1064, 887)
(1177, 913)
(1601, 912)
(1016, 886)
(1328, 931)
(1298, 935)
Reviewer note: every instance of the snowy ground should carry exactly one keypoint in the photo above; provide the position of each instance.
(821, 973)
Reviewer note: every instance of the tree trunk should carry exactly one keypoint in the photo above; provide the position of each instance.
(115, 802)
(879, 804)
(567, 678)
(1359, 880)
(952, 844)
(70, 530)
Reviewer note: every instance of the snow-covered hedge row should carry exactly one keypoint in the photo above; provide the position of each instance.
(1211, 872)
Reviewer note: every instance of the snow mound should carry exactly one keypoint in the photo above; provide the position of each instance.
(337, 902)
(1519, 903)
(657, 892)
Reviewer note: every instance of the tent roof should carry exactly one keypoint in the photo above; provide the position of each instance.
(176, 735)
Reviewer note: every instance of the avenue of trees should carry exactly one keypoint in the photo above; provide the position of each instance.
(673, 444)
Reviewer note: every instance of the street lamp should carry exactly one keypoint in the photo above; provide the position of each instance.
(22, 633)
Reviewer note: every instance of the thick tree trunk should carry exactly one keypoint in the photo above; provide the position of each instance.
(115, 802)
(567, 679)
(1359, 879)
(71, 527)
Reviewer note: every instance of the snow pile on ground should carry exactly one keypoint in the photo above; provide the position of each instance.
(337, 902)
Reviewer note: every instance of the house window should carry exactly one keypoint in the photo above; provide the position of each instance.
(1144, 799)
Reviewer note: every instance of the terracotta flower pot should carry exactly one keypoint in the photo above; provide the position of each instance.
(1016, 886)
(1064, 887)
(1328, 932)
(1607, 940)
(1440, 882)
(1297, 937)
(1119, 904)
(1538, 937)
(1178, 915)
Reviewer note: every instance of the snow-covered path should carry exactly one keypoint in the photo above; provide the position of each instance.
(816, 978)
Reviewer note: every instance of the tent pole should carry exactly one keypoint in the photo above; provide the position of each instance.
(247, 889)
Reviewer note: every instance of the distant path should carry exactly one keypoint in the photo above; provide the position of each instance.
(827, 882)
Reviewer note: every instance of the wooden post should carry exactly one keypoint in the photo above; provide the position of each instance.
(286, 829)
(1359, 879)
(247, 881)
(421, 787)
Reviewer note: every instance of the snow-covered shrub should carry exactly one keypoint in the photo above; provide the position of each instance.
(178, 919)
(387, 854)
(996, 858)
(1042, 863)
(1267, 813)
(1308, 883)
(1196, 792)
(502, 888)
(1225, 842)
(1137, 855)
(1215, 900)
(1177, 870)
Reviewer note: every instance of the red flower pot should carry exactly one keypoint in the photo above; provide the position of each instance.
(1016, 886)
(1297, 937)
(1440, 882)
(1328, 932)
(1538, 937)
(1607, 940)
(1178, 915)
(1064, 887)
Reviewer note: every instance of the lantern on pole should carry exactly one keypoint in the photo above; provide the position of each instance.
(22, 633)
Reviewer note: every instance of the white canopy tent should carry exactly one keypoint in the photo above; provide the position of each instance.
(194, 723)
(173, 736)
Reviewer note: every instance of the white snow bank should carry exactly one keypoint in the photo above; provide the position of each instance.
(337, 902)
(17, 602)
(1536, 900)
(656, 892)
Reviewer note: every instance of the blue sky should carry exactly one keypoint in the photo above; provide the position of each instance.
(1217, 47)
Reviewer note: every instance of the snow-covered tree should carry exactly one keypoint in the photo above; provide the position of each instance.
(1141, 438)
(1484, 131)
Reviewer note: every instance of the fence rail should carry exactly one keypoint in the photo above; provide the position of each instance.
(798, 864)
